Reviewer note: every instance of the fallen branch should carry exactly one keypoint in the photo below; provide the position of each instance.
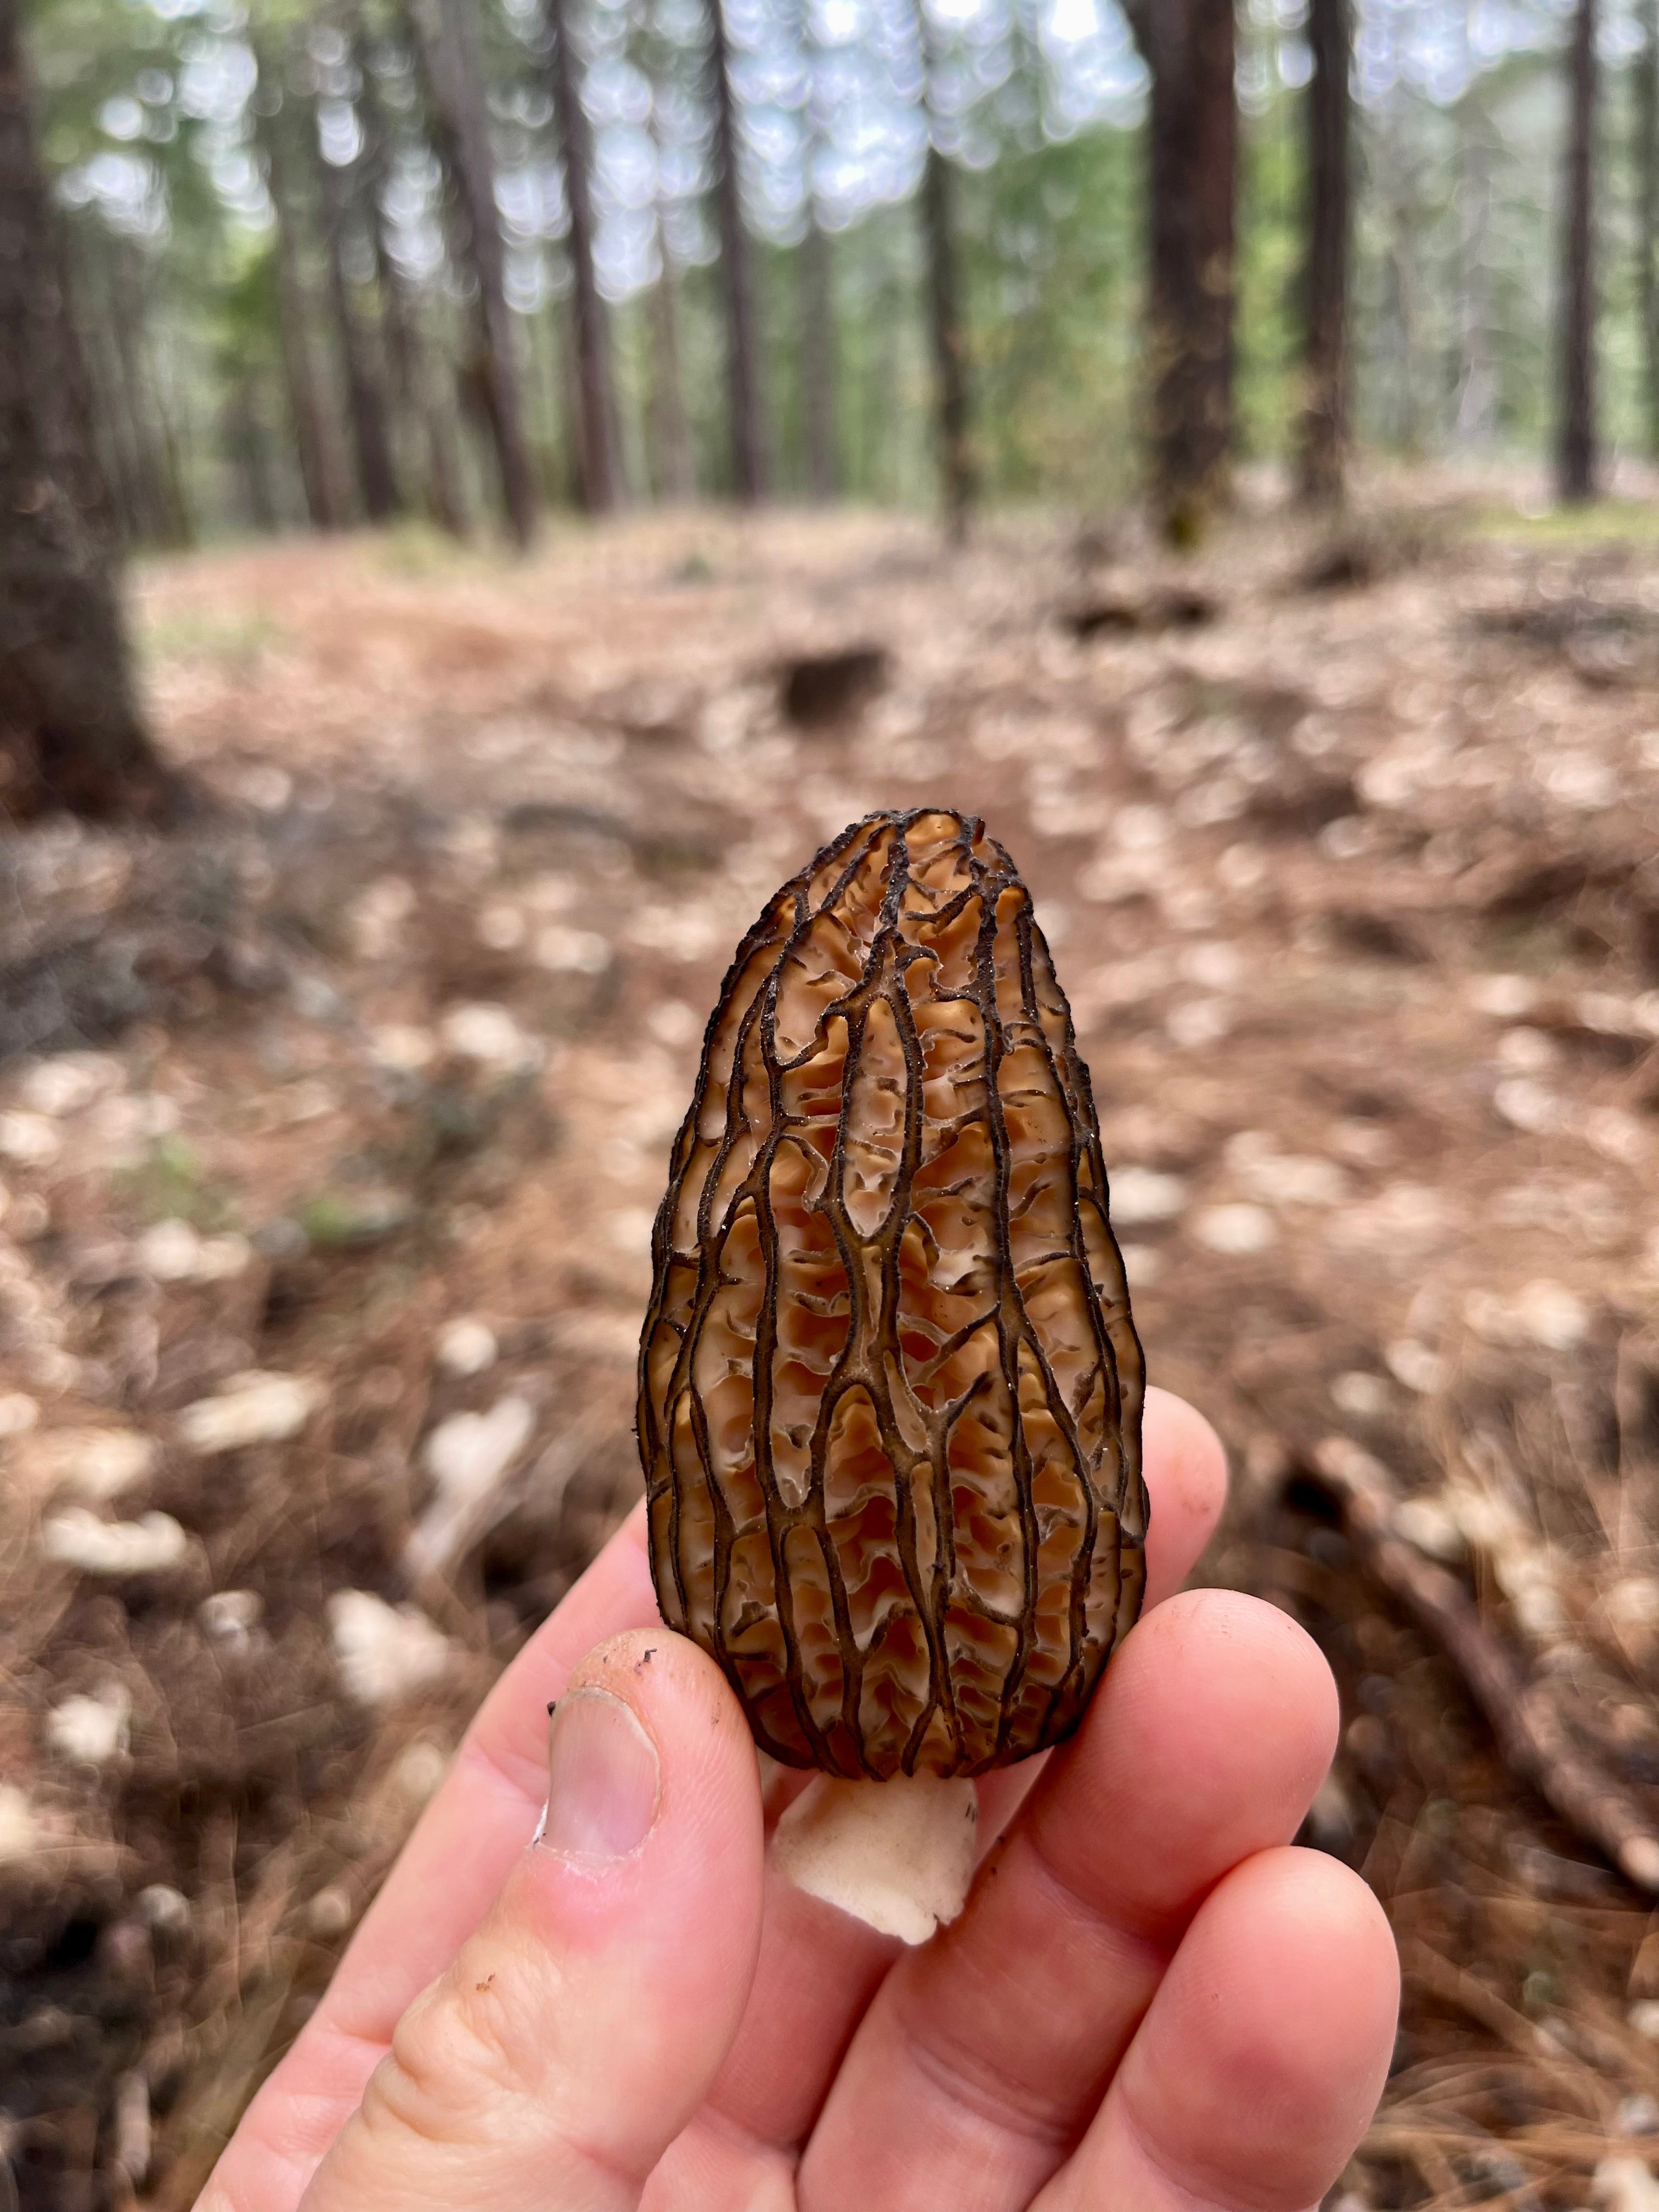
(1522, 1709)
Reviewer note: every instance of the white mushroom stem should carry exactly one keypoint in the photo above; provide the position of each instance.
(898, 1854)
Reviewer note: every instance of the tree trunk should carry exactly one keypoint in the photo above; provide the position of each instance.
(742, 360)
(422, 394)
(1647, 172)
(673, 462)
(597, 399)
(1576, 441)
(955, 466)
(1190, 46)
(320, 475)
(564, 413)
(245, 443)
(411, 365)
(949, 342)
(366, 396)
(70, 732)
(817, 359)
(446, 31)
(139, 452)
(92, 308)
(158, 442)
(1325, 271)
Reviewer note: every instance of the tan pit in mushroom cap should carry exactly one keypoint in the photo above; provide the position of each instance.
(890, 1387)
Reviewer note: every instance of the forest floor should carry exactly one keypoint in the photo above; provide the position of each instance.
(346, 1113)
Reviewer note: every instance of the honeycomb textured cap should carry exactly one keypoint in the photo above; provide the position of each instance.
(890, 1388)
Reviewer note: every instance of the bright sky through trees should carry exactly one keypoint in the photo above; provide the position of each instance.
(862, 94)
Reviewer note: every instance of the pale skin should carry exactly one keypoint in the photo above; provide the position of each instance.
(1154, 2002)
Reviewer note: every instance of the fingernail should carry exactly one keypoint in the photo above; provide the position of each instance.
(604, 1779)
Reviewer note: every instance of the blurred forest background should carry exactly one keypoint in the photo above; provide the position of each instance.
(487, 486)
(462, 264)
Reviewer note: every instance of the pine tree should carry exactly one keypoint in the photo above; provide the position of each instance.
(70, 733)
(321, 469)
(1324, 429)
(1575, 456)
(948, 330)
(446, 33)
(743, 401)
(366, 401)
(593, 379)
(1193, 136)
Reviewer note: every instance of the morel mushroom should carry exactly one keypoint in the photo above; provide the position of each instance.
(890, 1388)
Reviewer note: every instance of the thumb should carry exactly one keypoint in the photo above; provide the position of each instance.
(580, 2026)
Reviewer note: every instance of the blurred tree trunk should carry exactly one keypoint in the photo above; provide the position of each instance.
(956, 467)
(817, 364)
(138, 479)
(548, 404)
(1575, 463)
(158, 445)
(411, 365)
(423, 397)
(320, 475)
(1189, 47)
(446, 33)
(70, 733)
(742, 353)
(565, 414)
(93, 309)
(673, 462)
(596, 397)
(949, 337)
(1325, 271)
(1647, 237)
(244, 442)
(138, 451)
(815, 274)
(366, 396)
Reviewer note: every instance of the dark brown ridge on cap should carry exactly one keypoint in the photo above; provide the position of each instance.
(890, 1388)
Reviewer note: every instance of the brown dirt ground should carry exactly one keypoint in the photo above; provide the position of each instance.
(1351, 880)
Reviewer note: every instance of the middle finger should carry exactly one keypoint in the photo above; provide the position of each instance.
(984, 2054)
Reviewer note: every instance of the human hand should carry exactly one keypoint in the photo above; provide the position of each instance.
(1151, 2001)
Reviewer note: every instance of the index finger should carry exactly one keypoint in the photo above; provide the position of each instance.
(444, 1882)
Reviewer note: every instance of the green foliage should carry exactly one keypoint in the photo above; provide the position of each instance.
(247, 334)
(1051, 236)
(349, 1221)
(1573, 529)
(1268, 325)
(235, 644)
(168, 1185)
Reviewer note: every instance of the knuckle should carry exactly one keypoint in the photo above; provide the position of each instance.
(461, 2045)
(465, 2071)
